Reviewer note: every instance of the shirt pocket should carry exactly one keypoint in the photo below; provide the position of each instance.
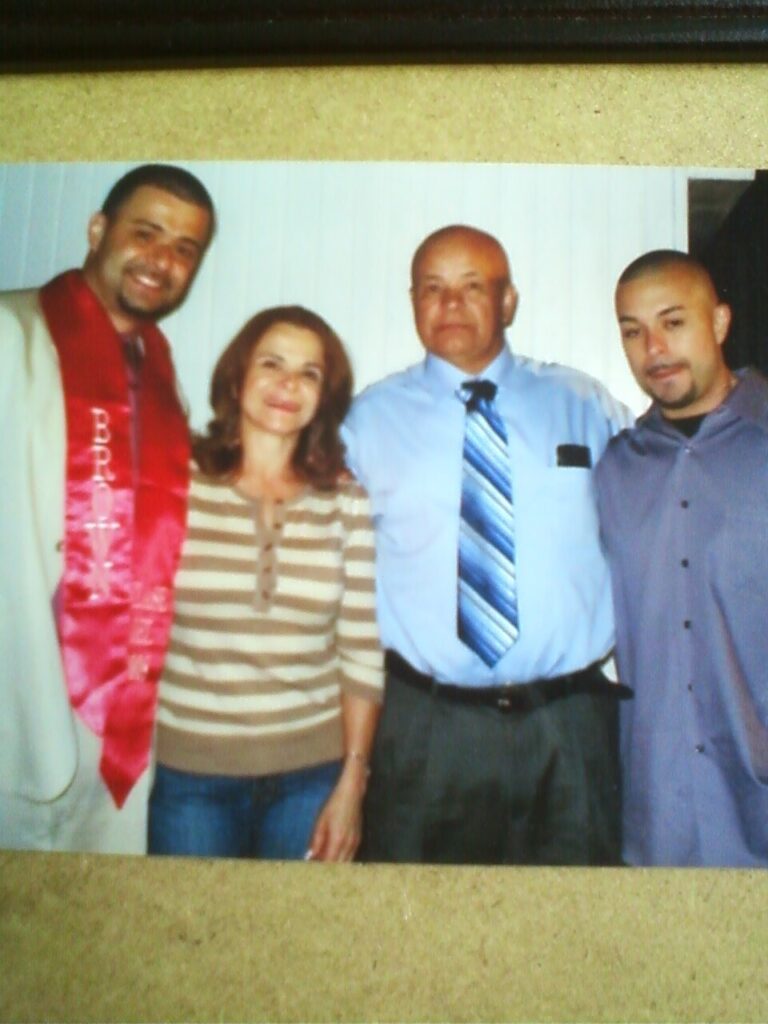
(556, 513)
(560, 489)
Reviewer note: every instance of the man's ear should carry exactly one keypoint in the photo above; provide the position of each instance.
(97, 226)
(721, 321)
(508, 303)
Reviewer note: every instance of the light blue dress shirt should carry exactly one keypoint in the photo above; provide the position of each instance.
(404, 440)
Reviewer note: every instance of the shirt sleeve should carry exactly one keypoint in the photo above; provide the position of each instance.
(349, 438)
(357, 635)
(618, 415)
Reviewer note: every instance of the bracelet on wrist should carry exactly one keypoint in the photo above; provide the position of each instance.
(359, 758)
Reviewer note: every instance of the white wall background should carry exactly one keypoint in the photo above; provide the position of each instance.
(338, 238)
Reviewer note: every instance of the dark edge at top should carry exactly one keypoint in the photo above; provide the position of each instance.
(40, 35)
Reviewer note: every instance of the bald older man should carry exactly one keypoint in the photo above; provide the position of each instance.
(684, 507)
(498, 742)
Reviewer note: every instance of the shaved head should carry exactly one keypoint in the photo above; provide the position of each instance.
(462, 233)
(659, 260)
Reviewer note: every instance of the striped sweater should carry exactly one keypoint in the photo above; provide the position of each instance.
(270, 626)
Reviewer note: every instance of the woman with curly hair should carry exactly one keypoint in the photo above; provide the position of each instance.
(270, 693)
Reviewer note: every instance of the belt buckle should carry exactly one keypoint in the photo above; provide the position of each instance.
(503, 700)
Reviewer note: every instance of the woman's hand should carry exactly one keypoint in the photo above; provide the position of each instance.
(339, 824)
(338, 828)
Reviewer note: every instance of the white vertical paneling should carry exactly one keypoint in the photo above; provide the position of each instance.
(14, 227)
(343, 192)
(549, 286)
(44, 208)
(589, 292)
(338, 238)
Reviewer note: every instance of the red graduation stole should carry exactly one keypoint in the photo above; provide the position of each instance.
(122, 542)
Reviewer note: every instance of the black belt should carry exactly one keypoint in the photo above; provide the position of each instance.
(509, 696)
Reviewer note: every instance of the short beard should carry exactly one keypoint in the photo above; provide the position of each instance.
(148, 315)
(682, 402)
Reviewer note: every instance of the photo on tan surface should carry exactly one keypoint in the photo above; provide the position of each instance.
(373, 944)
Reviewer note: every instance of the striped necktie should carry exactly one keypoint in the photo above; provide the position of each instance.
(487, 599)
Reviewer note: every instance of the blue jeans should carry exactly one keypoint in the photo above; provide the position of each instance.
(269, 817)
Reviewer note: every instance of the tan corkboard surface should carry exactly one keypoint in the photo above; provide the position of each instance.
(85, 938)
(641, 114)
(132, 939)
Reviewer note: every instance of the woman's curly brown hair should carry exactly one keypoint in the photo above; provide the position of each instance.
(319, 454)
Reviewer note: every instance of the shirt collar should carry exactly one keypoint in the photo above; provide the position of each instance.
(441, 378)
(748, 400)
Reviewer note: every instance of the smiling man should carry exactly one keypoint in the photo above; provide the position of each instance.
(94, 472)
(684, 512)
(498, 740)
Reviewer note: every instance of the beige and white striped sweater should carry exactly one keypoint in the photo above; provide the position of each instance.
(270, 626)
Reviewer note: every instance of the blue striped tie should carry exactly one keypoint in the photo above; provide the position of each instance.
(487, 605)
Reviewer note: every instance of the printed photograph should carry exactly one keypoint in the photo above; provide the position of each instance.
(393, 512)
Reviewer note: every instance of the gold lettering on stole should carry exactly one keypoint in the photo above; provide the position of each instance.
(147, 603)
(101, 525)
